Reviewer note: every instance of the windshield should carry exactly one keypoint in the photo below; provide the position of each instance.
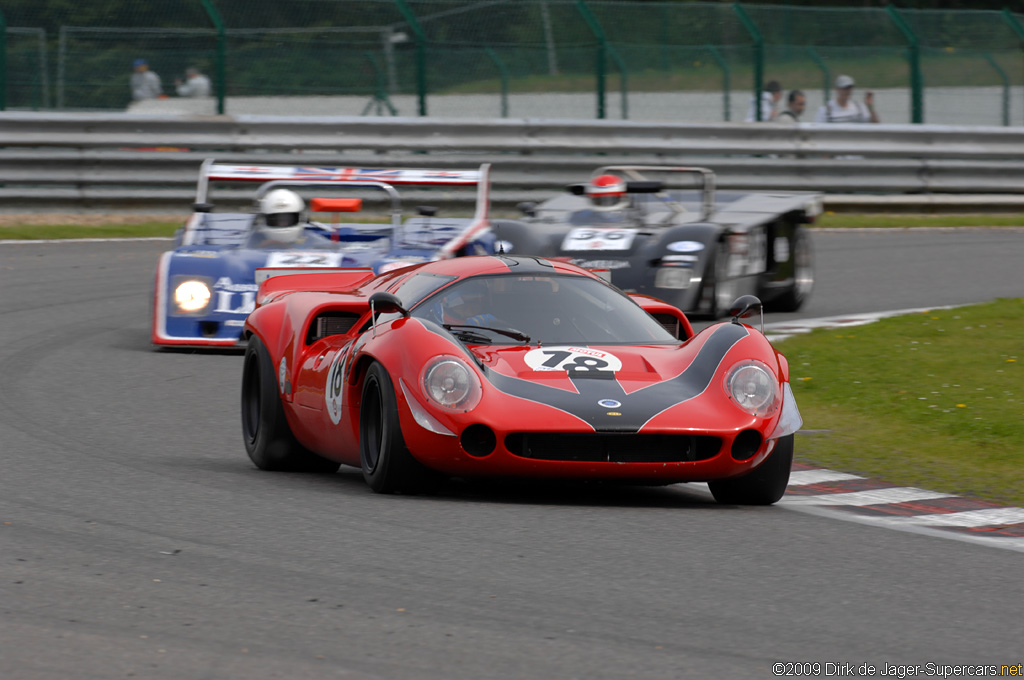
(559, 309)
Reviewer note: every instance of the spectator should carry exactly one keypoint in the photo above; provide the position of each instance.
(769, 100)
(796, 102)
(145, 84)
(843, 108)
(195, 84)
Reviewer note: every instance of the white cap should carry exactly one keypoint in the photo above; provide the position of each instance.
(844, 81)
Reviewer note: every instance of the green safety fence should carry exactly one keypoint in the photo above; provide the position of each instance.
(654, 60)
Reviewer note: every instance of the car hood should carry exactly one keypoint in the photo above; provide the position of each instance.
(619, 388)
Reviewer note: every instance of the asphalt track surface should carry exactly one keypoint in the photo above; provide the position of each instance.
(137, 541)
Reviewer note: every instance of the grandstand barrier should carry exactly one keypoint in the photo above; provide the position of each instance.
(100, 161)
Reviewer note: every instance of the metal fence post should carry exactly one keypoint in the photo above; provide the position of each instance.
(914, 55)
(1006, 86)
(1014, 24)
(724, 65)
(595, 28)
(503, 74)
(824, 69)
(755, 35)
(421, 54)
(221, 69)
(3, 62)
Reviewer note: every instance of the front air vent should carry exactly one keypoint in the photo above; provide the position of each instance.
(669, 323)
(613, 447)
(330, 323)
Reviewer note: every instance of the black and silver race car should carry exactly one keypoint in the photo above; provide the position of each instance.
(658, 233)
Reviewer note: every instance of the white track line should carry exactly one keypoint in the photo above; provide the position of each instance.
(968, 518)
(804, 477)
(899, 494)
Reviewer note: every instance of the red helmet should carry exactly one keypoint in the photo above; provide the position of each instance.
(606, 191)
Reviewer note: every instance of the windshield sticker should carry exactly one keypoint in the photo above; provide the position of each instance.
(334, 392)
(573, 359)
(599, 239)
(289, 258)
(685, 246)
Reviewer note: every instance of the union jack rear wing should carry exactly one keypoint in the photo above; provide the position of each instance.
(212, 171)
(317, 175)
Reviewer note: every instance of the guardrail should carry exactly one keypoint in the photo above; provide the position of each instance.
(131, 161)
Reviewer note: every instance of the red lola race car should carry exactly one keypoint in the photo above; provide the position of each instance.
(514, 367)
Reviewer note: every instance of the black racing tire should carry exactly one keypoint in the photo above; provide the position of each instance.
(716, 290)
(796, 294)
(268, 439)
(387, 465)
(764, 485)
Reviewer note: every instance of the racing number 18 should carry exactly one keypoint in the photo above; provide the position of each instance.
(578, 363)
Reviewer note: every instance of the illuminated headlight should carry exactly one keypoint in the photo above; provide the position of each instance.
(753, 387)
(450, 383)
(191, 296)
(672, 277)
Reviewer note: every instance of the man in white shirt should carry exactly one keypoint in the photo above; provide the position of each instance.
(145, 84)
(769, 100)
(844, 109)
(795, 105)
(195, 85)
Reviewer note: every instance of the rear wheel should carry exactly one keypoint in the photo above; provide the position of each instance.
(764, 485)
(803, 274)
(717, 290)
(268, 439)
(387, 465)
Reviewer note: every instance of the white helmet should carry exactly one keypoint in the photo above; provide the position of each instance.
(281, 213)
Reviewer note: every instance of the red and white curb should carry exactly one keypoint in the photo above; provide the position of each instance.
(871, 501)
(787, 329)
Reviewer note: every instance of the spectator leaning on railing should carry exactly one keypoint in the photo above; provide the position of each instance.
(769, 100)
(795, 105)
(145, 84)
(195, 84)
(843, 108)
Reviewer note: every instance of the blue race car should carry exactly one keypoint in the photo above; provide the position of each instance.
(206, 285)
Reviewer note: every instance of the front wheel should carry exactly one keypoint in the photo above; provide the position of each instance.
(268, 439)
(764, 485)
(387, 465)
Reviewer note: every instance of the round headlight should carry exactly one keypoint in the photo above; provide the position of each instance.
(451, 384)
(191, 296)
(753, 387)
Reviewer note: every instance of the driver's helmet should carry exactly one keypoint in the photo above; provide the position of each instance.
(281, 215)
(607, 192)
(467, 304)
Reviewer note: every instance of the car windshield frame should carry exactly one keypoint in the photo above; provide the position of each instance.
(551, 309)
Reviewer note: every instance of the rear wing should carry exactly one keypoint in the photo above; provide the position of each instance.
(384, 178)
(641, 184)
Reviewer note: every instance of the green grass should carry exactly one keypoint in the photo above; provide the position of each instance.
(884, 221)
(932, 400)
(827, 220)
(62, 231)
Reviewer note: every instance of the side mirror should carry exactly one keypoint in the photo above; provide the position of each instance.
(744, 306)
(426, 210)
(386, 303)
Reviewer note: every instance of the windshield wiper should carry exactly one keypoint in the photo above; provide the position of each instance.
(510, 332)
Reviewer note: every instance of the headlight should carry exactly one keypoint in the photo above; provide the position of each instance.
(672, 277)
(191, 296)
(753, 387)
(450, 383)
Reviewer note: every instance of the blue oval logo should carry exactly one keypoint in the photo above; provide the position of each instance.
(609, 403)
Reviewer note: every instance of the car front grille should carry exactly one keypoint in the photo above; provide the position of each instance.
(614, 448)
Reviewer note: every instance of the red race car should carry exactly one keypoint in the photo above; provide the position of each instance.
(515, 367)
